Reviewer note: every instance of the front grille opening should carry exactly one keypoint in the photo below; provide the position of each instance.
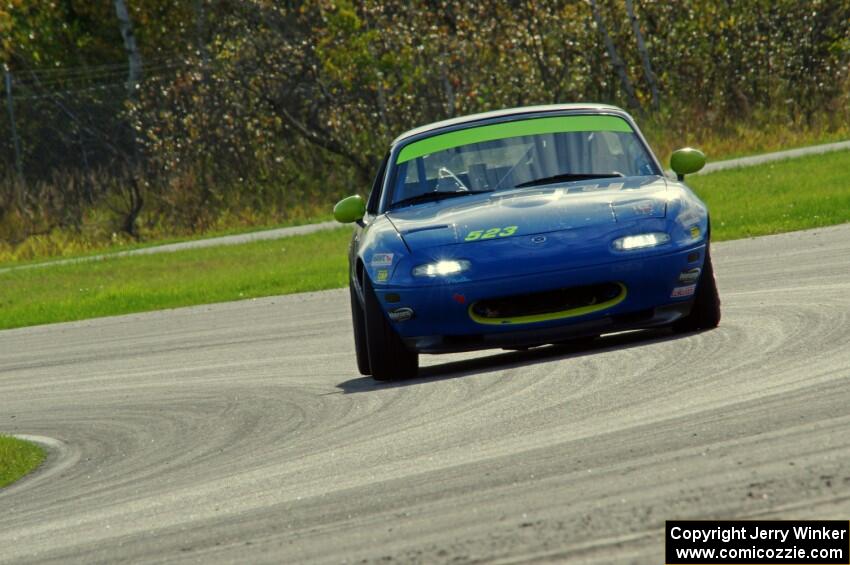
(548, 302)
(634, 317)
(461, 340)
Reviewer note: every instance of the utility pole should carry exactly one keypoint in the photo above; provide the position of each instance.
(15, 141)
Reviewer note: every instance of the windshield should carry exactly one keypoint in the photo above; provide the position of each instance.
(520, 153)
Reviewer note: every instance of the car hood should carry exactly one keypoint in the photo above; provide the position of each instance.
(531, 211)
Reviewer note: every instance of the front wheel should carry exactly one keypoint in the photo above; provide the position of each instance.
(705, 313)
(358, 320)
(389, 358)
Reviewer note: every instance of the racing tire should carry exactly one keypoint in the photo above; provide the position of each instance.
(358, 320)
(705, 313)
(389, 358)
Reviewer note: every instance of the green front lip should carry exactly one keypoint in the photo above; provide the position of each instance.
(563, 314)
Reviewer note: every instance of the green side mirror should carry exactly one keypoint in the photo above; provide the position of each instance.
(351, 209)
(686, 161)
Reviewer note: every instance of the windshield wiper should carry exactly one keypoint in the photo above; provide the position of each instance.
(436, 195)
(568, 177)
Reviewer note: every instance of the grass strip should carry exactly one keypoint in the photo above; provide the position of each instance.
(168, 280)
(796, 194)
(17, 458)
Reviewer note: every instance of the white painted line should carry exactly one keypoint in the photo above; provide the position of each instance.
(776, 156)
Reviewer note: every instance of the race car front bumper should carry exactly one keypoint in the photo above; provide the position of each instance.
(440, 319)
(659, 316)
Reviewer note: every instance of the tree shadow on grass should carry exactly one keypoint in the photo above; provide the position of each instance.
(513, 359)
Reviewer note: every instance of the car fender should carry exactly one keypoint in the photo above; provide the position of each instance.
(380, 249)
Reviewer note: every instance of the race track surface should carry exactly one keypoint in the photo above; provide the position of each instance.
(241, 432)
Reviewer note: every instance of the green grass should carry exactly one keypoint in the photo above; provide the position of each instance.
(17, 458)
(168, 280)
(782, 196)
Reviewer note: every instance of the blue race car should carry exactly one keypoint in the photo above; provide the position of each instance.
(524, 227)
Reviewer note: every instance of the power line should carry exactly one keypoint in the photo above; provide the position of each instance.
(60, 93)
(27, 77)
(106, 66)
(37, 89)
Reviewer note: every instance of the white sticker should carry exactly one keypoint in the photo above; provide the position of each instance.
(382, 259)
(644, 208)
(689, 217)
(681, 291)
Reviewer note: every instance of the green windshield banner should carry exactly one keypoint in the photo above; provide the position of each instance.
(534, 126)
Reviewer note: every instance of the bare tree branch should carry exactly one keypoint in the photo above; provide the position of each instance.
(619, 67)
(644, 55)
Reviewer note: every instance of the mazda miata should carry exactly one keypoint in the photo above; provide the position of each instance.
(524, 227)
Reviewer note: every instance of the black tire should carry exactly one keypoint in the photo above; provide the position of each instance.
(358, 320)
(705, 313)
(389, 358)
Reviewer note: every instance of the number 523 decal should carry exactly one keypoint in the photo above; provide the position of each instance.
(491, 233)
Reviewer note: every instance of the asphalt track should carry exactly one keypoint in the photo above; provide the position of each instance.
(241, 432)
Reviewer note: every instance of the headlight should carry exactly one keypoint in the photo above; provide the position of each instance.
(641, 241)
(441, 268)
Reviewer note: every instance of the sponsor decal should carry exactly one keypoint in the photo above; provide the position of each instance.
(644, 208)
(538, 239)
(400, 314)
(681, 291)
(695, 233)
(459, 298)
(382, 259)
(505, 130)
(383, 275)
(689, 217)
(690, 276)
(490, 233)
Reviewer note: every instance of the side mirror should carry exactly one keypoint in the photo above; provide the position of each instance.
(351, 209)
(686, 161)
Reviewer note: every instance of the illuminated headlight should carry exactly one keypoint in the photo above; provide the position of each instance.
(641, 241)
(441, 268)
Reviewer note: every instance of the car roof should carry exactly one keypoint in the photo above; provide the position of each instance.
(502, 113)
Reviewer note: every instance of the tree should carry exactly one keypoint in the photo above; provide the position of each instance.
(135, 201)
(644, 55)
(616, 61)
